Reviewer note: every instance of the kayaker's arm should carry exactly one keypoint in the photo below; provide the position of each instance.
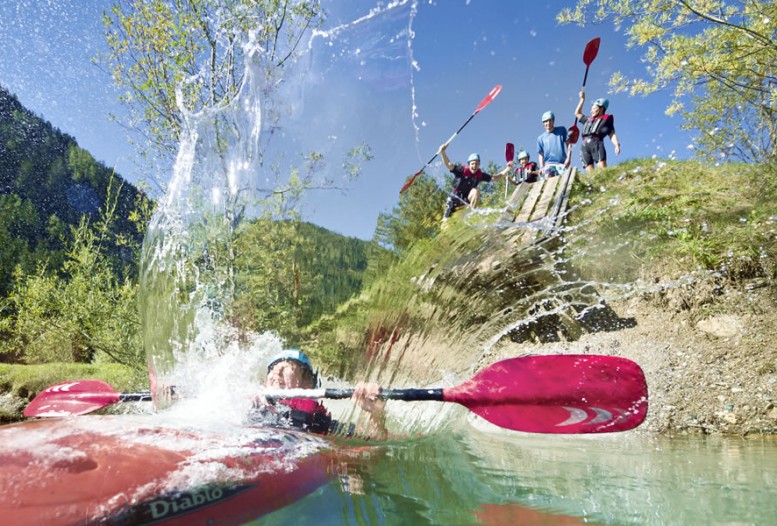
(447, 162)
(503, 173)
(372, 424)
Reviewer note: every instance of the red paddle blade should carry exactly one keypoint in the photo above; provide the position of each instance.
(560, 394)
(72, 398)
(509, 152)
(488, 98)
(574, 134)
(409, 182)
(591, 50)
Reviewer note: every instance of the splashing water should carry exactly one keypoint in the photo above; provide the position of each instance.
(187, 277)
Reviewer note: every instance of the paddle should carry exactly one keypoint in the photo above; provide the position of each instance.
(483, 103)
(591, 50)
(509, 156)
(560, 394)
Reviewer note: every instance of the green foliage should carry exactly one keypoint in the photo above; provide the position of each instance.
(47, 184)
(417, 216)
(83, 313)
(27, 380)
(657, 218)
(717, 55)
(289, 273)
(163, 49)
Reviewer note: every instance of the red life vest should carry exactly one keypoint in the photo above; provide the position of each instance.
(592, 125)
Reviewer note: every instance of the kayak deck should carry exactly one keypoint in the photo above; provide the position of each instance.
(128, 470)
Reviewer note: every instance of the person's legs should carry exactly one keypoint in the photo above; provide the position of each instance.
(586, 155)
(474, 196)
(450, 206)
(601, 155)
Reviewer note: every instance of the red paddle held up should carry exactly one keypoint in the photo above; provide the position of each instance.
(591, 50)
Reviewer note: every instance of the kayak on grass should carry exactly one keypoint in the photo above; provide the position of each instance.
(132, 470)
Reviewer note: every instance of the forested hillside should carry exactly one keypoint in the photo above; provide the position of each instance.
(47, 184)
(70, 237)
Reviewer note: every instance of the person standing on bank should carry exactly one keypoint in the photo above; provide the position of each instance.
(596, 127)
(527, 170)
(553, 146)
(465, 181)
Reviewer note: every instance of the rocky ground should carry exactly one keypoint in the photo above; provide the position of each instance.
(708, 353)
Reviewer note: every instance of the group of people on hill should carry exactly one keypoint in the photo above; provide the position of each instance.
(553, 151)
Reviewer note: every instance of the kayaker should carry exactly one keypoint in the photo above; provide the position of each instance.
(527, 170)
(465, 181)
(292, 369)
(552, 146)
(596, 127)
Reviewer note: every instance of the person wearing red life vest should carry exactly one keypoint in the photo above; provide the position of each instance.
(466, 179)
(527, 170)
(596, 127)
(292, 369)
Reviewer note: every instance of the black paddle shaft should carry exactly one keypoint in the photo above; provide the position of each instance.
(408, 395)
(143, 396)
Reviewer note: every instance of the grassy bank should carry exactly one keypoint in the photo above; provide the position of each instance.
(662, 218)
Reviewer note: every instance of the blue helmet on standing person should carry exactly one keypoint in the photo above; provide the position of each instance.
(295, 355)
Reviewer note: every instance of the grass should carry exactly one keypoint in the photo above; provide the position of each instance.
(662, 218)
(26, 380)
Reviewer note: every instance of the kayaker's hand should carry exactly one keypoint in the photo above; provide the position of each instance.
(366, 395)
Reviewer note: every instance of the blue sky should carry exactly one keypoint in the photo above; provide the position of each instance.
(360, 86)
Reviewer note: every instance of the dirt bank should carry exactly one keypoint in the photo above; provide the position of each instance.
(708, 353)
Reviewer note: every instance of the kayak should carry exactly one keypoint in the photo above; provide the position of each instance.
(129, 469)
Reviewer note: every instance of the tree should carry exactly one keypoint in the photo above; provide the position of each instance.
(417, 216)
(172, 54)
(79, 313)
(718, 56)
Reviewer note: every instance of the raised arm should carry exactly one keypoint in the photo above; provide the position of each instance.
(579, 109)
(445, 160)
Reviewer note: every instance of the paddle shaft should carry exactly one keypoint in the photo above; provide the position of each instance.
(483, 103)
(408, 395)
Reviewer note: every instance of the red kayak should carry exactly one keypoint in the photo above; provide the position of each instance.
(129, 470)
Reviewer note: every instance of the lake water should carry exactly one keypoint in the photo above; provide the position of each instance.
(479, 476)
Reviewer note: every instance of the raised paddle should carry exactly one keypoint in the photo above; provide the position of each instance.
(483, 103)
(591, 50)
(560, 394)
(509, 156)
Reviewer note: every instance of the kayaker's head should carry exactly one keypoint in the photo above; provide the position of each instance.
(290, 369)
(599, 106)
(548, 120)
(523, 157)
(474, 162)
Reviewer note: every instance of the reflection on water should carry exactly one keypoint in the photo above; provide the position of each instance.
(486, 477)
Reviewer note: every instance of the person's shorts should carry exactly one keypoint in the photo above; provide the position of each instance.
(593, 151)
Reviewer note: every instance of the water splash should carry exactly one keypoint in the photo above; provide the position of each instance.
(187, 276)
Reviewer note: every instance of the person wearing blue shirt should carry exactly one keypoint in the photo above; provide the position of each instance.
(552, 146)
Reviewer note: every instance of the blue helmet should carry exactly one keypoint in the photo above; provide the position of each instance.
(604, 103)
(291, 354)
(548, 115)
(523, 154)
(473, 157)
